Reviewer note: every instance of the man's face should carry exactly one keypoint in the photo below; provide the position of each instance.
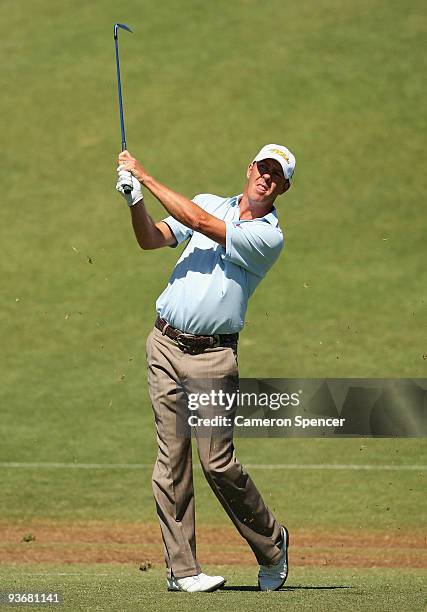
(266, 181)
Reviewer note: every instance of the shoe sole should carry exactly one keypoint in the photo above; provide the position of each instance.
(211, 590)
(287, 564)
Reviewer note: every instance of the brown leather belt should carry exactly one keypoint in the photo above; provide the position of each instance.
(193, 343)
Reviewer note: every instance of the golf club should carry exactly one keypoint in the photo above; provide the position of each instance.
(126, 188)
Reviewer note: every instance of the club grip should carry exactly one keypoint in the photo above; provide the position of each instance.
(127, 189)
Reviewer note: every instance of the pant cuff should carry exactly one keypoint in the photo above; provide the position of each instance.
(185, 573)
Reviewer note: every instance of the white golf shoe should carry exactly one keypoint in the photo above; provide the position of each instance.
(272, 577)
(196, 584)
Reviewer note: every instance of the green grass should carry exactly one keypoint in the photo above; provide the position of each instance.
(311, 499)
(205, 86)
(106, 587)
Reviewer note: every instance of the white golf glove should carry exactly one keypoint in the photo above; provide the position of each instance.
(126, 178)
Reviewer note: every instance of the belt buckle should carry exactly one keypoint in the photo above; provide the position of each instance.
(182, 345)
(216, 340)
(179, 341)
(188, 347)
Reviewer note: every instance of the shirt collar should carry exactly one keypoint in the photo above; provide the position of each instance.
(270, 217)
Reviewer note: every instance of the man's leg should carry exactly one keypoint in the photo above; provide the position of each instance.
(172, 475)
(229, 481)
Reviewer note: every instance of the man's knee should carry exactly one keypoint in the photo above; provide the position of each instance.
(224, 467)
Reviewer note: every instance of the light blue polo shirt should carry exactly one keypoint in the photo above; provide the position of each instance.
(210, 285)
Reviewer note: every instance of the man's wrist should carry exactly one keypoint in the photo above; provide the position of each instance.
(145, 180)
(137, 204)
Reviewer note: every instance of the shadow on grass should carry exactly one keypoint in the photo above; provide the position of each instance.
(299, 587)
(287, 588)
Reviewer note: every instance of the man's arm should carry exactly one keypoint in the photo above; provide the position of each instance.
(150, 235)
(182, 209)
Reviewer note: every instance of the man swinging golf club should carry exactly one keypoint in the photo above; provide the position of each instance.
(232, 243)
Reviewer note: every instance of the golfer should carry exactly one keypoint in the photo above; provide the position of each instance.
(231, 244)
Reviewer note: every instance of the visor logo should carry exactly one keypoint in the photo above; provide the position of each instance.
(281, 153)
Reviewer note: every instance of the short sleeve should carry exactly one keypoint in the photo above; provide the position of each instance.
(178, 229)
(253, 245)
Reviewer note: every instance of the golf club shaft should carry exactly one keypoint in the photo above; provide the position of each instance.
(127, 188)
(119, 89)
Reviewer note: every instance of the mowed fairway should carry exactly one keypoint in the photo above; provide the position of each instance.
(107, 587)
(206, 84)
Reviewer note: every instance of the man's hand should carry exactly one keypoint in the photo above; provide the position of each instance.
(129, 163)
(124, 178)
(183, 210)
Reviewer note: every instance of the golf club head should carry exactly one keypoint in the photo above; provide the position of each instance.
(120, 25)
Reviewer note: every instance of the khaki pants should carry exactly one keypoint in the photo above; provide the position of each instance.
(168, 368)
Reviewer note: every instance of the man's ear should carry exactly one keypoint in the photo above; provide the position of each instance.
(286, 186)
(249, 170)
